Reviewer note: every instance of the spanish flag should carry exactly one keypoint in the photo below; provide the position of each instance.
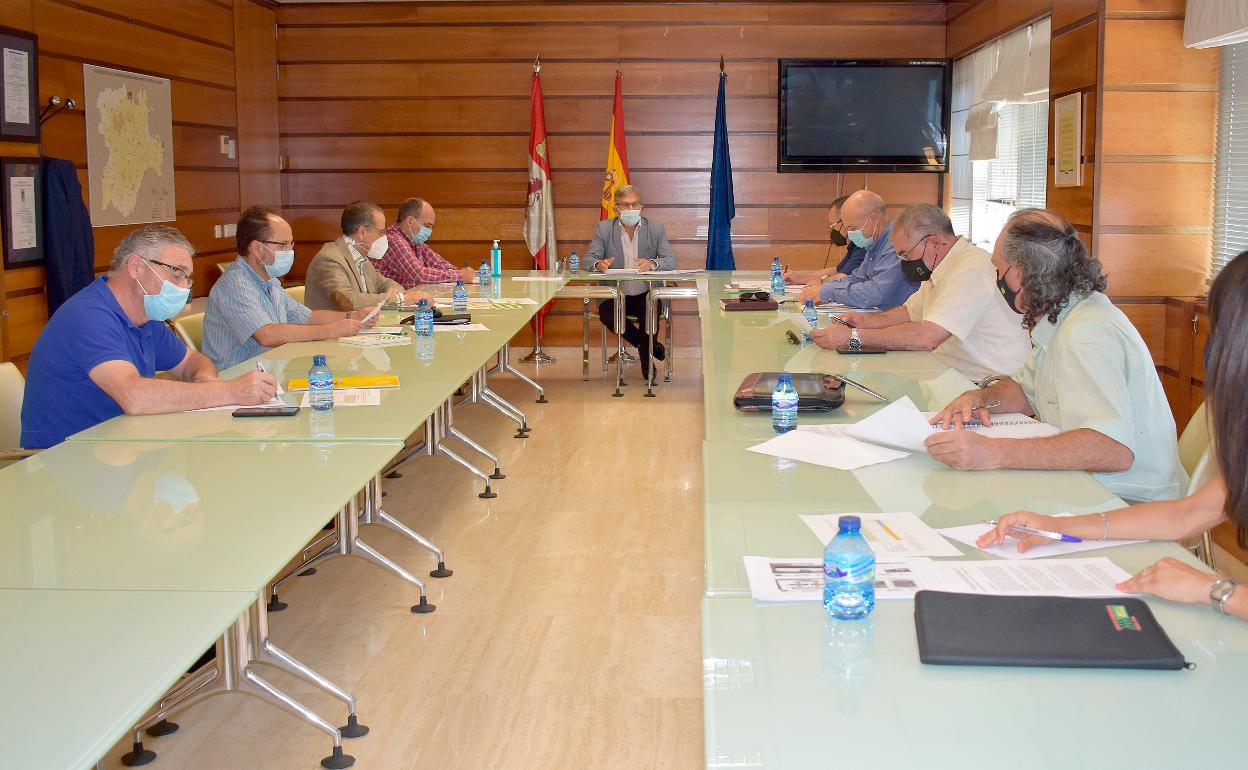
(617, 154)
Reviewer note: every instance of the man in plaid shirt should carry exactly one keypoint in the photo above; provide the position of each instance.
(409, 260)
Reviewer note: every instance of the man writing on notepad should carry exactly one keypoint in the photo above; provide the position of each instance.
(98, 356)
(957, 313)
(248, 310)
(630, 241)
(1089, 374)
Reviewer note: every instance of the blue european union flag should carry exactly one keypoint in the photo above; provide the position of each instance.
(723, 209)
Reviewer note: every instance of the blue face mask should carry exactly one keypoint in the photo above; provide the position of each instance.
(282, 260)
(168, 303)
(422, 235)
(860, 238)
(630, 218)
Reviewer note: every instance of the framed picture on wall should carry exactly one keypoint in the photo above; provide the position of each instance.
(21, 194)
(1068, 140)
(19, 86)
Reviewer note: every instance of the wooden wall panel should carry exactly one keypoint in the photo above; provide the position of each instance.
(448, 120)
(1150, 51)
(259, 145)
(191, 42)
(1140, 264)
(1068, 12)
(1131, 126)
(1149, 318)
(987, 20)
(1073, 61)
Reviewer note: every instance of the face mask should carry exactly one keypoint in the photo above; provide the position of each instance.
(835, 236)
(422, 235)
(860, 238)
(630, 218)
(915, 270)
(282, 260)
(1011, 296)
(379, 247)
(168, 303)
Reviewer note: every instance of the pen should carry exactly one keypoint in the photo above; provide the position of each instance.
(842, 321)
(989, 405)
(1041, 532)
(260, 367)
(859, 386)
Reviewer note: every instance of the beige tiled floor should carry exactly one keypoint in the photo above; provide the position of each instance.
(568, 636)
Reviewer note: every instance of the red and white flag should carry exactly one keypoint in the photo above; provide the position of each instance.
(539, 216)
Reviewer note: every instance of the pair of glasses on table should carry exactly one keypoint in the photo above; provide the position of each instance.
(754, 296)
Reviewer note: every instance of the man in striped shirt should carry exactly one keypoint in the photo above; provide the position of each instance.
(409, 260)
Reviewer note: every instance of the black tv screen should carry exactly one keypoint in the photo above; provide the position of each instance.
(877, 114)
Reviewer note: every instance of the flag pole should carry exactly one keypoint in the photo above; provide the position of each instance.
(537, 355)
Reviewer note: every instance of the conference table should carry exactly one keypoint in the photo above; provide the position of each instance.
(134, 546)
(786, 687)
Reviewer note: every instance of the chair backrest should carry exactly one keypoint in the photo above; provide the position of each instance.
(12, 386)
(296, 293)
(1206, 468)
(1195, 440)
(190, 328)
(223, 266)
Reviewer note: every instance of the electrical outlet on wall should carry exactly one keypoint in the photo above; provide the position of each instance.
(231, 230)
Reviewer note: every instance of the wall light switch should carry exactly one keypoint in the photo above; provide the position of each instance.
(216, 231)
(225, 144)
(233, 149)
(231, 230)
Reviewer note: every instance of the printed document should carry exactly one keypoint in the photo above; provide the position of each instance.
(1009, 549)
(443, 328)
(893, 536)
(350, 397)
(826, 449)
(774, 579)
(1095, 576)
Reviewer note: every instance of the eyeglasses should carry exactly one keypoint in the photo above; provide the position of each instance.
(281, 244)
(836, 225)
(629, 205)
(178, 274)
(906, 254)
(793, 340)
(754, 296)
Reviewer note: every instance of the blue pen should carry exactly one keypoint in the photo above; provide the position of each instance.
(1041, 532)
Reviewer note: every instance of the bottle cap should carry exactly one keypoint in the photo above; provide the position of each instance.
(424, 303)
(786, 377)
(810, 303)
(496, 243)
(849, 523)
(318, 360)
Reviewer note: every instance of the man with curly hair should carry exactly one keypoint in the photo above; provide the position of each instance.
(1089, 373)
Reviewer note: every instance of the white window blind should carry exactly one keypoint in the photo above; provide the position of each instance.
(1230, 215)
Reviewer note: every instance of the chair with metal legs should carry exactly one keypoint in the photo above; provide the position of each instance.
(656, 295)
(585, 293)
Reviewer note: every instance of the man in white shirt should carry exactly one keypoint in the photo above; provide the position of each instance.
(958, 313)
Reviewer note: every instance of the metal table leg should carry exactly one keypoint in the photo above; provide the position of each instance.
(373, 513)
(435, 433)
(232, 672)
(504, 364)
(482, 394)
(448, 411)
(619, 339)
(585, 341)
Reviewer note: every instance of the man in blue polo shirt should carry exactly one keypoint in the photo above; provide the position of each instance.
(99, 354)
(249, 312)
(878, 281)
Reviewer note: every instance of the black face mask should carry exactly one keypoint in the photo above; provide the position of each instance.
(1011, 296)
(837, 239)
(915, 271)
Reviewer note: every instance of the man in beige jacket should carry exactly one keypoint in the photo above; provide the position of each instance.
(343, 276)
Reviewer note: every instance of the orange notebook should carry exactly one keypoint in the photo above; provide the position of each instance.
(358, 381)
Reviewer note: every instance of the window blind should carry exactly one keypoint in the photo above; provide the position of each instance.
(1230, 215)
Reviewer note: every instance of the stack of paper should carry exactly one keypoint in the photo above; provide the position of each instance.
(376, 340)
(801, 580)
(350, 397)
(444, 328)
(969, 533)
(824, 447)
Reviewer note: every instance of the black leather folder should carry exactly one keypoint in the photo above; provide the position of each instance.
(1041, 631)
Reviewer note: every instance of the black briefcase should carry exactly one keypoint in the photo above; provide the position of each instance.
(816, 392)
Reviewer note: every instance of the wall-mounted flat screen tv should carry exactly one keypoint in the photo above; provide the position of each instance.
(864, 114)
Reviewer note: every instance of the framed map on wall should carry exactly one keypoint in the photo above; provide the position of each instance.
(129, 147)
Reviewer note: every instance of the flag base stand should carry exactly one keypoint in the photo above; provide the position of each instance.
(536, 356)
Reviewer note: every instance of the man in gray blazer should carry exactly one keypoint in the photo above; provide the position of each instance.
(342, 275)
(630, 240)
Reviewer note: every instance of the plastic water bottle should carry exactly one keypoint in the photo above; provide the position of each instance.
(496, 260)
(812, 318)
(574, 263)
(483, 275)
(320, 385)
(777, 278)
(424, 347)
(784, 404)
(424, 319)
(849, 572)
(459, 298)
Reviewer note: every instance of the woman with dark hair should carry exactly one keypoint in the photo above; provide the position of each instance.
(1223, 498)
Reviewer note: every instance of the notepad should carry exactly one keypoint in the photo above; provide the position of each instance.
(376, 340)
(353, 381)
(902, 425)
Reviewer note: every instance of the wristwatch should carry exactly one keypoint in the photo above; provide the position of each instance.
(988, 382)
(1220, 593)
(855, 342)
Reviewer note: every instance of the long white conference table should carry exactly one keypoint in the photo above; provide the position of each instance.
(134, 546)
(786, 688)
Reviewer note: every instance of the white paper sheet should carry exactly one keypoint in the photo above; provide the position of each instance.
(350, 397)
(893, 536)
(275, 401)
(1009, 549)
(775, 579)
(537, 278)
(1009, 425)
(25, 230)
(444, 328)
(1094, 576)
(382, 330)
(376, 340)
(16, 86)
(829, 451)
(899, 424)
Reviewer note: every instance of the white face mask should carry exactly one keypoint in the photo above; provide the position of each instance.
(379, 247)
